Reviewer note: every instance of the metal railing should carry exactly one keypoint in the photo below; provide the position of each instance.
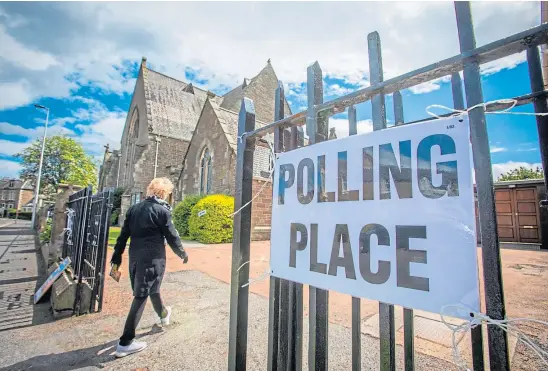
(86, 241)
(286, 298)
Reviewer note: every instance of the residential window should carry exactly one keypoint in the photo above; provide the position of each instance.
(205, 172)
(12, 184)
(2, 195)
(10, 206)
(12, 195)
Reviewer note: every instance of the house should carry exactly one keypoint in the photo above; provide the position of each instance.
(16, 194)
(176, 130)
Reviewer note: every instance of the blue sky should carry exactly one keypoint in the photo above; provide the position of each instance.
(81, 60)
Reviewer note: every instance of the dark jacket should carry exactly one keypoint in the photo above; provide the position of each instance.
(148, 223)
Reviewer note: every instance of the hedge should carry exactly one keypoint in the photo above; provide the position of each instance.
(114, 217)
(23, 215)
(182, 211)
(45, 235)
(211, 221)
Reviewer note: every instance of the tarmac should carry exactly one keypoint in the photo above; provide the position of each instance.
(197, 339)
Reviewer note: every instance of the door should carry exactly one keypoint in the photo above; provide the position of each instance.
(517, 215)
(527, 215)
(506, 221)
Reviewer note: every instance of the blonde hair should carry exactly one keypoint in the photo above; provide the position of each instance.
(160, 187)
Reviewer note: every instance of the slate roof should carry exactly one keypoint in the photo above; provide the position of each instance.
(174, 106)
(18, 184)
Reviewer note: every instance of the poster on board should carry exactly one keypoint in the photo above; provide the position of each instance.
(51, 279)
(387, 216)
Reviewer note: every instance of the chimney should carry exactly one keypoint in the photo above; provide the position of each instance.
(144, 62)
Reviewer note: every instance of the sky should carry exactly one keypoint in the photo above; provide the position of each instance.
(81, 60)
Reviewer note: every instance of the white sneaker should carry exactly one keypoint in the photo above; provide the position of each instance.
(134, 347)
(165, 321)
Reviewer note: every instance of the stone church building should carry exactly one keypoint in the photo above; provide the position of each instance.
(176, 130)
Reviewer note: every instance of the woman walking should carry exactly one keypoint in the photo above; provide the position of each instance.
(148, 223)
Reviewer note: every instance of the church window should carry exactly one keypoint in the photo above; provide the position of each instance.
(205, 172)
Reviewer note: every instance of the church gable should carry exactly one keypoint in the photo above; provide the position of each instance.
(261, 89)
(216, 135)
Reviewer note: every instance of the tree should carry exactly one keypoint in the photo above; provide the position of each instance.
(65, 161)
(522, 173)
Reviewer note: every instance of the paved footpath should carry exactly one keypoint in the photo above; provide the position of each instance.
(19, 277)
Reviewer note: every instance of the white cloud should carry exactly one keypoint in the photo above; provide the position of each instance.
(90, 43)
(499, 169)
(341, 126)
(9, 168)
(495, 149)
(35, 132)
(96, 126)
(336, 90)
(107, 129)
(429, 86)
(16, 53)
(10, 148)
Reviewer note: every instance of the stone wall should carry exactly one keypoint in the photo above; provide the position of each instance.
(25, 196)
(59, 220)
(109, 170)
(261, 210)
(125, 204)
(208, 134)
(138, 107)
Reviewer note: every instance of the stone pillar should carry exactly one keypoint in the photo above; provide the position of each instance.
(59, 219)
(124, 206)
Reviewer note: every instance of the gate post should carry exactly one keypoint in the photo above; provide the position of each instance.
(237, 337)
(387, 331)
(492, 273)
(317, 128)
(81, 248)
(102, 254)
(356, 301)
(541, 106)
(476, 332)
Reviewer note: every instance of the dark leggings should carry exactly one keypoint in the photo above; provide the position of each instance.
(135, 313)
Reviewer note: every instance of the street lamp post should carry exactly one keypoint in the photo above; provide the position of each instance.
(37, 189)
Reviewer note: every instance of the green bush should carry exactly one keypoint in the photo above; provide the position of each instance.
(45, 235)
(114, 217)
(182, 211)
(23, 215)
(215, 226)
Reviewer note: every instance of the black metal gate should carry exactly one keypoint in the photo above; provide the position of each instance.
(286, 298)
(85, 242)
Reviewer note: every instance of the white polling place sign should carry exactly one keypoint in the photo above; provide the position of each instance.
(387, 216)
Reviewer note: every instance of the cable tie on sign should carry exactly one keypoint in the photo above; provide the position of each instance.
(478, 319)
(265, 274)
(506, 111)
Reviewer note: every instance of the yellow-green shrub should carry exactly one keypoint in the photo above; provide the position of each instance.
(182, 211)
(215, 226)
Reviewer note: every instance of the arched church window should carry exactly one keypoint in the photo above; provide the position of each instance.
(205, 172)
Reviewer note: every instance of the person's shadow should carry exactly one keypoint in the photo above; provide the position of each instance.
(96, 356)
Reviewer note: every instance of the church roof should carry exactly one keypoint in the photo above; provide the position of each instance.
(174, 106)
